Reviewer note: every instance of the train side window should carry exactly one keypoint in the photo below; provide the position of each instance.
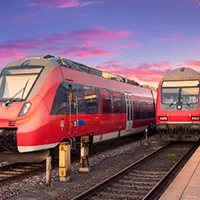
(136, 110)
(117, 102)
(123, 103)
(60, 103)
(76, 96)
(105, 101)
(91, 100)
(141, 114)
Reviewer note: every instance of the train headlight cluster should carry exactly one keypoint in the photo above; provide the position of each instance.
(195, 118)
(24, 109)
(163, 118)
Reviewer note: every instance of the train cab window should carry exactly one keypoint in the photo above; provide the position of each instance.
(60, 103)
(91, 100)
(17, 82)
(105, 101)
(186, 92)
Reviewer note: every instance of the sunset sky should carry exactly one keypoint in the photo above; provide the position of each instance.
(140, 39)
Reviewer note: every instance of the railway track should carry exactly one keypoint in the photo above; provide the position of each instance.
(141, 179)
(14, 170)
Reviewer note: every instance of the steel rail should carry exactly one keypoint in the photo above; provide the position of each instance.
(90, 192)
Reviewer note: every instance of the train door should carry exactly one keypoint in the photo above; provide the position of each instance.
(73, 109)
(129, 119)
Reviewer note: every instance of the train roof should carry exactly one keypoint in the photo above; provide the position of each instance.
(52, 62)
(183, 73)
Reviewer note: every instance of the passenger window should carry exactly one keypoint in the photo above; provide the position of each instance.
(91, 100)
(105, 101)
(136, 110)
(117, 102)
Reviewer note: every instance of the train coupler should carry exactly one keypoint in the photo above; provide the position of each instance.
(84, 154)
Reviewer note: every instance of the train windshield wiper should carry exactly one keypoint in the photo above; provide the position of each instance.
(187, 103)
(12, 98)
(171, 104)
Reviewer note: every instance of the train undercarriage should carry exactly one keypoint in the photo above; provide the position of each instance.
(179, 132)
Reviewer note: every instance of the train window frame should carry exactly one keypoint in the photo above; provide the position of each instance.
(107, 97)
(65, 100)
(80, 95)
(22, 74)
(97, 99)
(161, 94)
(179, 81)
(116, 96)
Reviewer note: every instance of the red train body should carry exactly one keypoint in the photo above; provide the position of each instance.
(47, 100)
(178, 105)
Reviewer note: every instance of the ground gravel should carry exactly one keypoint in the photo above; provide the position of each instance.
(126, 154)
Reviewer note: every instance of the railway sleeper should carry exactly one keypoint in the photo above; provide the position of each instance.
(147, 175)
(137, 182)
(125, 191)
(143, 178)
(105, 195)
(149, 172)
(144, 187)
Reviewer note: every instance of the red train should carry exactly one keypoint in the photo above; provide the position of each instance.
(46, 100)
(178, 105)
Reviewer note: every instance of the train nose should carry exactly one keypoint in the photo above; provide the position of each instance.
(9, 112)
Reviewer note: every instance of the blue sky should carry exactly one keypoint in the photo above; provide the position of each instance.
(136, 38)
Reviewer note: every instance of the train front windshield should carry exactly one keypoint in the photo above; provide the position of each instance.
(17, 82)
(182, 92)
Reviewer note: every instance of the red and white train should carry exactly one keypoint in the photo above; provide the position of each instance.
(46, 100)
(178, 105)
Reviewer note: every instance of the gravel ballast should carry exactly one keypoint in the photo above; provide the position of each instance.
(102, 165)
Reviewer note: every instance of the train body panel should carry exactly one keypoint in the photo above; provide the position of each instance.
(178, 105)
(45, 102)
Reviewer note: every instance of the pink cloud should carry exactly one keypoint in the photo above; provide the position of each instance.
(130, 44)
(89, 42)
(193, 63)
(58, 3)
(173, 38)
(100, 32)
(197, 40)
(162, 64)
(143, 73)
(85, 52)
(87, 37)
(80, 44)
(23, 44)
(112, 62)
(10, 54)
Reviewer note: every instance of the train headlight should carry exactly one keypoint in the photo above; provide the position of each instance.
(163, 118)
(194, 118)
(24, 109)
